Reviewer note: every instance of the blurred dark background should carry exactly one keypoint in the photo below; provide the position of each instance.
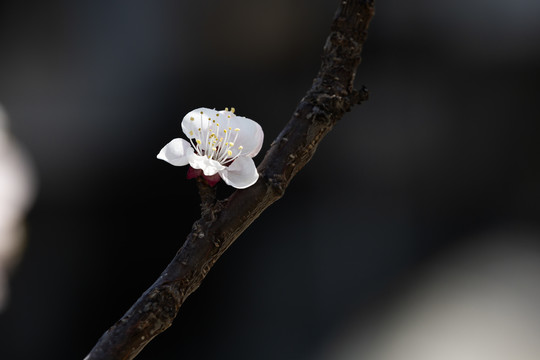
(443, 153)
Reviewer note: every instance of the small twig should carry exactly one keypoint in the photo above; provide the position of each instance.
(331, 95)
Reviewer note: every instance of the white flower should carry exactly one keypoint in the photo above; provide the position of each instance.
(221, 145)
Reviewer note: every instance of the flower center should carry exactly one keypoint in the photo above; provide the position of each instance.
(215, 141)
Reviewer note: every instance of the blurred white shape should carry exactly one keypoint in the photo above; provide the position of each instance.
(479, 304)
(16, 193)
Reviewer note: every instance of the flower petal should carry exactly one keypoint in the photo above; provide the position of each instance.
(176, 152)
(195, 124)
(208, 166)
(241, 174)
(250, 135)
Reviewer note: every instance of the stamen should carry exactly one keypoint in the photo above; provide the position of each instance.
(237, 155)
(235, 136)
(208, 137)
(194, 146)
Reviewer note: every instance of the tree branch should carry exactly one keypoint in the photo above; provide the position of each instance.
(331, 95)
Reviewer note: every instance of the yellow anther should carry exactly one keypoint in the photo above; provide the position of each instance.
(191, 132)
(233, 110)
(217, 114)
(192, 118)
(229, 116)
(231, 144)
(240, 147)
(214, 149)
(199, 142)
(217, 124)
(237, 129)
(225, 131)
(229, 153)
(202, 112)
(226, 109)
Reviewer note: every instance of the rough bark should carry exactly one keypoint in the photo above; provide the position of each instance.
(331, 95)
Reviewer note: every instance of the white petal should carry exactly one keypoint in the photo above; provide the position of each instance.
(241, 174)
(176, 152)
(195, 124)
(208, 166)
(250, 136)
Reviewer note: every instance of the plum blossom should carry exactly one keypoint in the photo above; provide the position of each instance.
(221, 145)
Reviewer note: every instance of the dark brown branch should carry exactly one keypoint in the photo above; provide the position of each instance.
(207, 194)
(331, 95)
